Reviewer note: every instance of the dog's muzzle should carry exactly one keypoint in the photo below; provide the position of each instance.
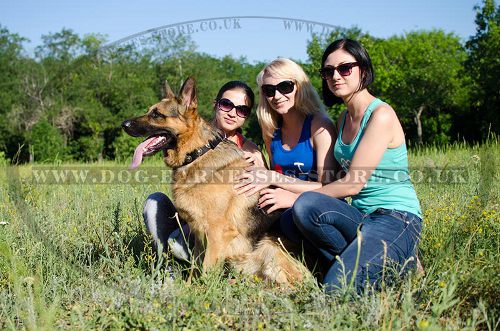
(131, 128)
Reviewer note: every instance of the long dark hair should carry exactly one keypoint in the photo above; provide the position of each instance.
(365, 65)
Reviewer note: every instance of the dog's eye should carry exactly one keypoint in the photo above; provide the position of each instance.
(156, 114)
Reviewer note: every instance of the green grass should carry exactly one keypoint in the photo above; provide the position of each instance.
(78, 257)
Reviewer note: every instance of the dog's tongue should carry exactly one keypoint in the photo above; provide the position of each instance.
(139, 152)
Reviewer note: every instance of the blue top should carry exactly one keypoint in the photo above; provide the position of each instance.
(389, 186)
(300, 161)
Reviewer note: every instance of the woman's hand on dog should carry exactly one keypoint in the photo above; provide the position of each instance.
(252, 181)
(277, 198)
(254, 160)
(255, 178)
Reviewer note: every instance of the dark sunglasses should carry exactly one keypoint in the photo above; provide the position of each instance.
(227, 105)
(284, 87)
(345, 69)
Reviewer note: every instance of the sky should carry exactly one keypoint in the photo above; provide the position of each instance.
(256, 38)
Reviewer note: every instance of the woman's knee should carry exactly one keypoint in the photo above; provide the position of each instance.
(157, 203)
(157, 197)
(309, 208)
(303, 207)
(159, 217)
(158, 210)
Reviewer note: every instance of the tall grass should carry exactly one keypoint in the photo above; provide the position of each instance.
(78, 257)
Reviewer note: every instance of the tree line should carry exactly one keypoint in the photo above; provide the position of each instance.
(67, 100)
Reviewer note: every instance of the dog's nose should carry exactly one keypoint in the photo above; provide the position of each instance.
(126, 124)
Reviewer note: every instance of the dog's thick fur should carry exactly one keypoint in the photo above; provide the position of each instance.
(228, 227)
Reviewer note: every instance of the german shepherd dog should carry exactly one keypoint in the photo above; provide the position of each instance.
(228, 227)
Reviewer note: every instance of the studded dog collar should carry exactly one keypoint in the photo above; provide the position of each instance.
(191, 156)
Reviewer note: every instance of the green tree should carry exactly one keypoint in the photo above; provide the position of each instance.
(421, 74)
(11, 60)
(483, 65)
(60, 46)
(11, 49)
(95, 90)
(46, 142)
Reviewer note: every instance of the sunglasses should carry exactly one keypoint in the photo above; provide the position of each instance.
(345, 69)
(227, 105)
(284, 87)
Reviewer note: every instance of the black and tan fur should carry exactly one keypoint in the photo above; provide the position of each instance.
(227, 227)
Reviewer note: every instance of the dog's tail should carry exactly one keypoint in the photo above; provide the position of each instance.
(272, 262)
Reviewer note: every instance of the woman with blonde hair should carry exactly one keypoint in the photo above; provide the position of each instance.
(298, 136)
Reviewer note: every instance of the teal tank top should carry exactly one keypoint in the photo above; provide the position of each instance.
(389, 186)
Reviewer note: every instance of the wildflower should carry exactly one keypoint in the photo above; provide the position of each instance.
(423, 324)
(442, 284)
(4, 223)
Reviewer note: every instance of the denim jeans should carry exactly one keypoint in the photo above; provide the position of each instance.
(329, 225)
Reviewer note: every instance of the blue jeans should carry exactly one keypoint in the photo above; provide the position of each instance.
(388, 238)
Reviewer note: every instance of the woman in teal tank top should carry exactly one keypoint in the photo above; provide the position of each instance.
(371, 149)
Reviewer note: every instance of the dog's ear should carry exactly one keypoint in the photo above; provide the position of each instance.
(188, 94)
(169, 94)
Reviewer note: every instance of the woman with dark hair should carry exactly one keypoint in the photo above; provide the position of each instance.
(233, 104)
(382, 225)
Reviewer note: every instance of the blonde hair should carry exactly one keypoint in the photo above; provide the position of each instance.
(307, 100)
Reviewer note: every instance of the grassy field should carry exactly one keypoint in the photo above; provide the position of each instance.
(77, 257)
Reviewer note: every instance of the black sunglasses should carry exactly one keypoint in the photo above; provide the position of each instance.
(284, 87)
(345, 69)
(227, 105)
